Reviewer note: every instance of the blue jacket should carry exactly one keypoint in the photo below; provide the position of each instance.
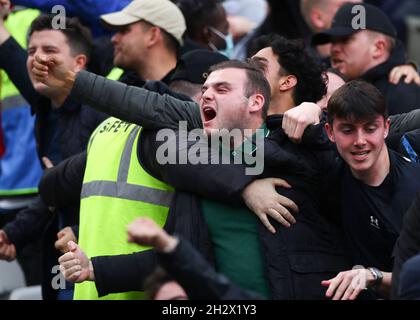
(87, 10)
(59, 134)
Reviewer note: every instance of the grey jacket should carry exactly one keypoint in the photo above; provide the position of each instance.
(132, 104)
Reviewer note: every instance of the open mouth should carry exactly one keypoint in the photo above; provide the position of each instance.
(209, 114)
(335, 61)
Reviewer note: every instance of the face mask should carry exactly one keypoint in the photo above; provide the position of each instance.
(228, 41)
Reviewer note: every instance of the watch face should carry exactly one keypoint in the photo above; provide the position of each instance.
(377, 275)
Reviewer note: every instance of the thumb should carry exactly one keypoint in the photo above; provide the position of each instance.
(280, 183)
(40, 58)
(60, 234)
(72, 246)
(53, 61)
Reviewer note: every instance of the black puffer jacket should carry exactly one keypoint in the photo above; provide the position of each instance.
(402, 97)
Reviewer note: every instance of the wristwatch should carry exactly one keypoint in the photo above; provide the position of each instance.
(377, 276)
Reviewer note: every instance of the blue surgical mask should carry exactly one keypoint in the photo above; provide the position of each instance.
(228, 50)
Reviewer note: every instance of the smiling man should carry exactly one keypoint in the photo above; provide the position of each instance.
(376, 188)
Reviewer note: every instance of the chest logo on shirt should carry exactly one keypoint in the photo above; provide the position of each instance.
(374, 222)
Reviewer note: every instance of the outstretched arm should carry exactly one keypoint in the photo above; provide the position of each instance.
(185, 264)
(13, 61)
(214, 176)
(132, 104)
(404, 122)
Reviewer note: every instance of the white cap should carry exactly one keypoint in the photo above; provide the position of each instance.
(161, 13)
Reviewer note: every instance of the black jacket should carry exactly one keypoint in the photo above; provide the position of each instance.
(312, 250)
(197, 276)
(402, 97)
(408, 243)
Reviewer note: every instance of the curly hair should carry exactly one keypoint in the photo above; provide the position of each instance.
(295, 60)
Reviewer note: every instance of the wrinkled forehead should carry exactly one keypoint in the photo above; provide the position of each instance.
(232, 76)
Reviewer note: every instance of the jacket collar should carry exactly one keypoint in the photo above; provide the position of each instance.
(397, 58)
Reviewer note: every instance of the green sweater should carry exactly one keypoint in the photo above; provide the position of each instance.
(234, 234)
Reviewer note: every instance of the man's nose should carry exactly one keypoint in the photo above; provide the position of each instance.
(207, 95)
(335, 47)
(360, 139)
(115, 38)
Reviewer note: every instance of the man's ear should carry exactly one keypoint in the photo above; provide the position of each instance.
(80, 62)
(387, 125)
(256, 102)
(152, 36)
(205, 34)
(287, 82)
(330, 132)
(379, 48)
(316, 19)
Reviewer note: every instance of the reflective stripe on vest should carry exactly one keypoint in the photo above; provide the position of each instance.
(115, 73)
(116, 190)
(121, 188)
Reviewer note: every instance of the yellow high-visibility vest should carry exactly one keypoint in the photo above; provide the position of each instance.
(116, 190)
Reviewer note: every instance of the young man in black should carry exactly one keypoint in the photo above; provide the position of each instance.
(376, 187)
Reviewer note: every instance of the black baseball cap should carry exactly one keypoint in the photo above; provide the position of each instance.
(194, 65)
(342, 25)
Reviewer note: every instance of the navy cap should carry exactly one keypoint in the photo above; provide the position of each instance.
(342, 25)
(194, 65)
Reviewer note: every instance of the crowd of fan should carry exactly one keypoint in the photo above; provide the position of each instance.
(330, 110)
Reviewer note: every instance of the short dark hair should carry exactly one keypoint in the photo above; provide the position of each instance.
(256, 80)
(295, 60)
(357, 100)
(168, 40)
(198, 14)
(78, 36)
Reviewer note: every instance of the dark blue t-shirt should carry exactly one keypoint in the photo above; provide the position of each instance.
(372, 217)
